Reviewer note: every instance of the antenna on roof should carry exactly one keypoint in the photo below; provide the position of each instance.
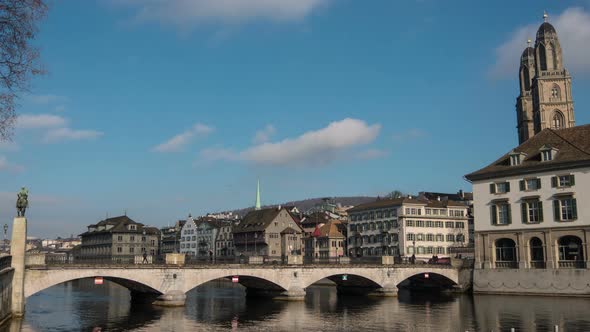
(125, 212)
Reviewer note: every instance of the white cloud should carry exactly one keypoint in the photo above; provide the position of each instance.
(264, 135)
(178, 142)
(36, 121)
(68, 134)
(573, 29)
(318, 147)
(190, 12)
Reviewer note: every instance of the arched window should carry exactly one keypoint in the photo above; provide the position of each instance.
(505, 253)
(557, 122)
(537, 255)
(554, 56)
(525, 77)
(571, 252)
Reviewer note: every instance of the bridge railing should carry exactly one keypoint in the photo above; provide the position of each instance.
(59, 259)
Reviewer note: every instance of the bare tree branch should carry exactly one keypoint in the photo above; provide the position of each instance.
(19, 60)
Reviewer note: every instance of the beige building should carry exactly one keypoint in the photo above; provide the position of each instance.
(269, 232)
(119, 238)
(327, 241)
(526, 203)
(545, 99)
(407, 226)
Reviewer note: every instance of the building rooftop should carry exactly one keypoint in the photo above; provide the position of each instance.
(572, 146)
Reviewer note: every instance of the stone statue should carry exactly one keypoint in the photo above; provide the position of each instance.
(22, 202)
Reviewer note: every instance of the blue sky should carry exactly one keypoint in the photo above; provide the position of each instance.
(164, 110)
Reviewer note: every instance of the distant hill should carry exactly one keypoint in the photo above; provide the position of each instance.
(307, 204)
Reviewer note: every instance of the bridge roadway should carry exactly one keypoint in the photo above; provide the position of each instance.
(289, 282)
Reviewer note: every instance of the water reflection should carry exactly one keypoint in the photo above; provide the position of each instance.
(222, 306)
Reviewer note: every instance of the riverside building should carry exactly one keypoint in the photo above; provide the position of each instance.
(532, 228)
(407, 226)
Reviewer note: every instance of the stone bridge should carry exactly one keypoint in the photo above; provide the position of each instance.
(287, 282)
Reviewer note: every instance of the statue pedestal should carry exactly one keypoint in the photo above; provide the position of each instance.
(18, 247)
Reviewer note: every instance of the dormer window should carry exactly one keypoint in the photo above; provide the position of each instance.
(516, 158)
(132, 227)
(548, 153)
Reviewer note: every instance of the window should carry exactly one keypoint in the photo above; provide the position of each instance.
(449, 224)
(119, 249)
(530, 184)
(460, 224)
(132, 238)
(420, 237)
(394, 237)
(562, 181)
(501, 214)
(120, 238)
(532, 211)
(557, 121)
(450, 238)
(440, 250)
(411, 237)
(460, 238)
(429, 223)
(410, 223)
(439, 224)
(428, 212)
(440, 238)
(131, 250)
(516, 159)
(500, 188)
(565, 208)
(430, 237)
(555, 92)
(429, 250)
(419, 223)
(547, 153)
(143, 239)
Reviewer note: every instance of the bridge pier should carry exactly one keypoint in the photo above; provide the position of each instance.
(18, 246)
(173, 298)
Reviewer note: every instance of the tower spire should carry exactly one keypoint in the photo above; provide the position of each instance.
(545, 16)
(257, 207)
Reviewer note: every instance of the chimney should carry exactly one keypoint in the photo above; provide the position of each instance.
(461, 193)
(279, 207)
(438, 198)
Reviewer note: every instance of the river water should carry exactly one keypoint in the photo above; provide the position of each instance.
(221, 306)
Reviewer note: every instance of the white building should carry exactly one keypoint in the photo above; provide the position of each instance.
(188, 237)
(529, 210)
(407, 226)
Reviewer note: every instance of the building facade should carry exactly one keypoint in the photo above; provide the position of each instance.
(170, 238)
(526, 203)
(327, 241)
(407, 226)
(271, 232)
(545, 99)
(224, 243)
(119, 238)
(198, 237)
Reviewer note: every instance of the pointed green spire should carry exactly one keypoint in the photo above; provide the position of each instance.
(258, 195)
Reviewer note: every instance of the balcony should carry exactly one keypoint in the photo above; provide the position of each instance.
(572, 264)
(538, 265)
(507, 265)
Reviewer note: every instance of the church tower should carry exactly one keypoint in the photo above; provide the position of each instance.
(549, 86)
(524, 102)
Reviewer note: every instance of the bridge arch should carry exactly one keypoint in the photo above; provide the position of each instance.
(346, 277)
(433, 277)
(134, 280)
(263, 279)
